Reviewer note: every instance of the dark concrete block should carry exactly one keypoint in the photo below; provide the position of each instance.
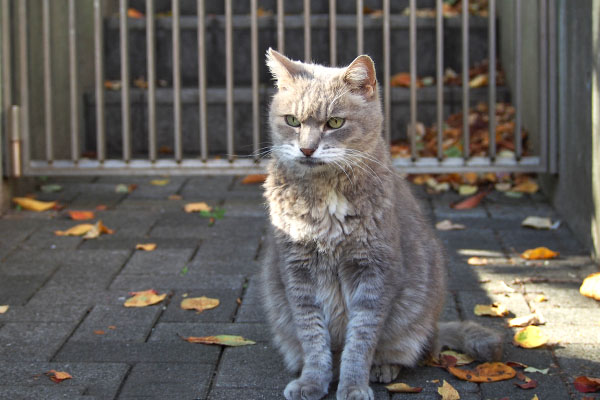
(245, 207)
(43, 313)
(128, 223)
(206, 188)
(17, 289)
(251, 313)
(58, 295)
(108, 242)
(187, 282)
(247, 393)
(27, 341)
(220, 257)
(442, 210)
(159, 261)
(16, 392)
(579, 359)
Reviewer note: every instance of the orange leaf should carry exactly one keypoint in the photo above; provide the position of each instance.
(539, 253)
(197, 207)
(530, 337)
(199, 303)
(145, 246)
(133, 13)
(254, 179)
(223, 340)
(486, 372)
(591, 286)
(586, 384)
(81, 215)
(403, 388)
(101, 207)
(99, 332)
(76, 230)
(34, 205)
(58, 376)
(470, 202)
(144, 298)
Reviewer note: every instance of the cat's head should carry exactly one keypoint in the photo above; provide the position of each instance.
(324, 117)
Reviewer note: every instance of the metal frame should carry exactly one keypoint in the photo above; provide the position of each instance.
(545, 162)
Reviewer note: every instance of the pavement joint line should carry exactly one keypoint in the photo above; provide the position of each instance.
(70, 335)
(563, 375)
(163, 308)
(242, 295)
(124, 380)
(50, 276)
(118, 272)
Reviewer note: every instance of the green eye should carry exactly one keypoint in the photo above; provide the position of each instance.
(335, 122)
(292, 121)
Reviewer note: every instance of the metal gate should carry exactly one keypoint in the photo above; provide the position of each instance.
(55, 103)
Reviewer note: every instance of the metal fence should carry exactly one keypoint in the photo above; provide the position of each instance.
(17, 73)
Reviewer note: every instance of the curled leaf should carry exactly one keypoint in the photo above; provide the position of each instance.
(591, 286)
(98, 229)
(586, 384)
(486, 372)
(403, 388)
(531, 319)
(3, 309)
(144, 298)
(492, 310)
(529, 383)
(530, 337)
(34, 205)
(76, 230)
(223, 340)
(470, 202)
(477, 261)
(254, 179)
(197, 207)
(528, 186)
(448, 392)
(199, 303)
(58, 376)
(539, 253)
(537, 222)
(146, 246)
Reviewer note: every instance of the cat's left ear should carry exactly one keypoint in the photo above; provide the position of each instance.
(360, 76)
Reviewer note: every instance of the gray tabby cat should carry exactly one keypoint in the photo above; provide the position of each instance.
(354, 278)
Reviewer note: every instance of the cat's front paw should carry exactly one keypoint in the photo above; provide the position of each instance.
(301, 389)
(355, 393)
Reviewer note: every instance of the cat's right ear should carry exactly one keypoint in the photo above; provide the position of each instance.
(360, 76)
(283, 69)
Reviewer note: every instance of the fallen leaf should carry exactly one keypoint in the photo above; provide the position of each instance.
(533, 369)
(529, 383)
(540, 298)
(528, 186)
(81, 215)
(51, 188)
(144, 298)
(436, 186)
(99, 332)
(532, 319)
(3, 309)
(175, 197)
(140, 83)
(493, 310)
(403, 388)
(112, 85)
(477, 261)
(503, 186)
(486, 372)
(238, 301)
(537, 222)
(451, 358)
(467, 190)
(254, 179)
(145, 246)
(539, 253)
(98, 229)
(223, 340)
(514, 195)
(112, 327)
(535, 397)
(586, 384)
(101, 207)
(197, 207)
(133, 13)
(479, 81)
(33, 205)
(516, 364)
(76, 230)
(591, 286)
(58, 376)
(261, 12)
(165, 149)
(123, 188)
(470, 202)
(461, 359)
(530, 337)
(199, 303)
(448, 392)
(447, 225)
(159, 182)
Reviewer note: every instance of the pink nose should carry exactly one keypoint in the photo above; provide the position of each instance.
(307, 152)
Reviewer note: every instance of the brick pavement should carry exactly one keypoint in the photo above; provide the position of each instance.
(62, 289)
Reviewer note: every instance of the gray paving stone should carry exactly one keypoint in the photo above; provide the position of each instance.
(171, 332)
(159, 261)
(425, 377)
(20, 392)
(124, 352)
(17, 289)
(93, 379)
(26, 262)
(253, 294)
(27, 341)
(43, 313)
(223, 313)
(471, 239)
(518, 241)
(206, 187)
(579, 359)
(127, 223)
(251, 313)
(168, 381)
(157, 207)
(564, 295)
(246, 393)
(244, 207)
(187, 282)
(107, 242)
(58, 296)
(89, 200)
(220, 257)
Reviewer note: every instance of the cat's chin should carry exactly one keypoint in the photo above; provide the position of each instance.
(311, 162)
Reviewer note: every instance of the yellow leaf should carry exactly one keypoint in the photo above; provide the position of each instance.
(175, 197)
(448, 392)
(58, 376)
(34, 205)
(535, 397)
(144, 298)
(540, 298)
(467, 190)
(76, 230)
(591, 286)
(530, 337)
(3, 309)
(254, 179)
(199, 303)
(145, 246)
(493, 310)
(532, 319)
(197, 207)
(223, 340)
(403, 388)
(528, 186)
(486, 372)
(539, 253)
(479, 81)
(159, 182)
(97, 230)
(477, 261)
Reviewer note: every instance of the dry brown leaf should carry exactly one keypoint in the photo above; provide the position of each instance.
(493, 310)
(591, 286)
(223, 340)
(479, 81)
(112, 85)
(448, 392)
(76, 230)
(146, 246)
(197, 207)
(199, 303)
(175, 197)
(81, 215)
(403, 388)
(58, 376)
(486, 372)
(144, 298)
(112, 327)
(530, 337)
(529, 383)
(470, 202)
(539, 253)
(532, 319)
(3, 309)
(587, 384)
(98, 229)
(99, 332)
(254, 179)
(34, 205)
(101, 207)
(528, 186)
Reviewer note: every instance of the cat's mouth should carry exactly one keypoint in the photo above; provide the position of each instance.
(311, 162)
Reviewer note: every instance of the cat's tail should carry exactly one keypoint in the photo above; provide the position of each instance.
(471, 338)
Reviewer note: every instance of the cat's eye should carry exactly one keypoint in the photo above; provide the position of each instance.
(292, 121)
(335, 122)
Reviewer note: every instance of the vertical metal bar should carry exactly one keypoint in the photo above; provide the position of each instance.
(7, 77)
(202, 82)
(73, 82)
(280, 27)
(360, 27)
(552, 78)
(387, 103)
(307, 38)
(47, 51)
(229, 77)
(412, 37)
(332, 34)
(176, 33)
(465, 77)
(151, 68)
(255, 99)
(24, 83)
(15, 141)
(543, 83)
(518, 45)
(125, 100)
(439, 25)
(492, 79)
(99, 80)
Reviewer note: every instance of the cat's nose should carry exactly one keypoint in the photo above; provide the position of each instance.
(307, 152)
